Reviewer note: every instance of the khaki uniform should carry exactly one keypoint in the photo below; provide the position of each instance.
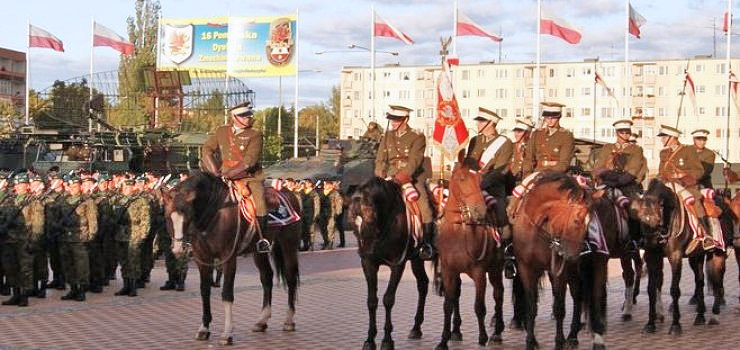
(548, 151)
(495, 170)
(402, 157)
(706, 156)
(683, 165)
(79, 226)
(516, 166)
(242, 149)
(622, 159)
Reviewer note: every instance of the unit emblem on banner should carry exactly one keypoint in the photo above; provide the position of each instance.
(178, 42)
(279, 45)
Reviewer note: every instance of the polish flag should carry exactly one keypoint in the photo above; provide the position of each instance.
(691, 90)
(601, 82)
(104, 36)
(726, 22)
(449, 128)
(550, 24)
(38, 37)
(383, 28)
(636, 21)
(466, 26)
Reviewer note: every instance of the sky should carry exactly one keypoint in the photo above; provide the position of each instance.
(674, 29)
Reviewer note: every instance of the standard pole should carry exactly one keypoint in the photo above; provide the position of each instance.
(729, 84)
(627, 68)
(295, 112)
(317, 134)
(92, 54)
(594, 118)
(28, 69)
(372, 60)
(280, 107)
(454, 32)
(536, 101)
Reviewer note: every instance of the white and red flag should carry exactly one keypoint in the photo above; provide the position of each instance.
(636, 21)
(691, 90)
(555, 26)
(600, 81)
(726, 22)
(104, 36)
(449, 128)
(465, 26)
(38, 37)
(734, 82)
(385, 29)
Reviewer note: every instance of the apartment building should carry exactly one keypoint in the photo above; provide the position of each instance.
(13, 77)
(655, 94)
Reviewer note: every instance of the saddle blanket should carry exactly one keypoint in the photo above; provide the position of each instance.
(595, 236)
(283, 215)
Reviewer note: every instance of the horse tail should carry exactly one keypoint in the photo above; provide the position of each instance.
(278, 256)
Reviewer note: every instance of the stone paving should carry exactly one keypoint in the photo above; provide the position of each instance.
(331, 314)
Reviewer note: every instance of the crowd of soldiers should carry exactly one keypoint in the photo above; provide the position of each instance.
(82, 225)
(322, 206)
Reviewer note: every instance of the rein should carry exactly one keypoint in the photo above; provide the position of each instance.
(463, 213)
(553, 242)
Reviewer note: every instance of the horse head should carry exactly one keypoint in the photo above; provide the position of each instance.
(465, 194)
(648, 210)
(374, 209)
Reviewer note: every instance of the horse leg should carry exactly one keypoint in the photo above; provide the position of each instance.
(576, 293)
(597, 309)
(456, 319)
(519, 301)
(290, 259)
(206, 276)
(422, 287)
(529, 283)
(262, 261)
(628, 275)
(696, 262)
(737, 260)
(227, 296)
(676, 261)
(371, 277)
(495, 276)
(654, 264)
(389, 299)
(450, 287)
(558, 308)
(638, 276)
(716, 272)
(479, 277)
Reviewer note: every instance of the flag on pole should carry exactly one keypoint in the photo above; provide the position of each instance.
(466, 26)
(726, 22)
(734, 89)
(600, 81)
(636, 21)
(691, 90)
(104, 36)
(38, 37)
(449, 128)
(552, 25)
(383, 28)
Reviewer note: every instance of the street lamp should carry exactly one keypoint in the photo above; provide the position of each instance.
(295, 117)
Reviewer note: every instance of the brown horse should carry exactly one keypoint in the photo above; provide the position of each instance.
(378, 213)
(466, 245)
(672, 245)
(201, 215)
(734, 238)
(549, 229)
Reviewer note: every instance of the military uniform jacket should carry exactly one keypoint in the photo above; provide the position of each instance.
(14, 218)
(34, 215)
(610, 152)
(500, 161)
(337, 202)
(243, 148)
(706, 157)
(548, 152)
(105, 212)
(311, 205)
(139, 217)
(517, 159)
(680, 164)
(79, 219)
(52, 221)
(401, 155)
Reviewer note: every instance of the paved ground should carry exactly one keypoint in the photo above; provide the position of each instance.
(331, 314)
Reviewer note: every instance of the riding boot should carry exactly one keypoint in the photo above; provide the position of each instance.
(22, 297)
(125, 289)
(509, 261)
(13, 299)
(708, 242)
(132, 287)
(80, 296)
(72, 293)
(263, 245)
(426, 248)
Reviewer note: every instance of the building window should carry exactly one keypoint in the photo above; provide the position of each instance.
(501, 112)
(701, 111)
(430, 113)
(481, 73)
(586, 70)
(428, 93)
(586, 91)
(569, 112)
(721, 68)
(500, 93)
(386, 93)
(502, 73)
(570, 72)
(465, 93)
(481, 92)
(552, 72)
(586, 112)
(519, 93)
(661, 91)
(404, 94)
(386, 74)
(607, 112)
(699, 68)
(519, 113)
(661, 112)
(552, 92)
(720, 112)
(663, 70)
(720, 90)
(700, 89)
(569, 92)
(465, 75)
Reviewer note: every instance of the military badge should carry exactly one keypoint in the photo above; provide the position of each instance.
(177, 42)
(680, 162)
(279, 45)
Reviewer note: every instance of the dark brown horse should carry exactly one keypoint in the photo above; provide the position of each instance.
(734, 238)
(672, 245)
(549, 229)
(466, 244)
(377, 211)
(201, 215)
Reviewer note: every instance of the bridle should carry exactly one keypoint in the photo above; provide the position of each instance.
(464, 210)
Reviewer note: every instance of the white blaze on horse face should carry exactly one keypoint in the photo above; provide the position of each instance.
(177, 227)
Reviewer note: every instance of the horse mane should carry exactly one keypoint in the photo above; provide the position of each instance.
(386, 198)
(567, 184)
(210, 193)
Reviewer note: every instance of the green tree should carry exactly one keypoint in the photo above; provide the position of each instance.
(207, 115)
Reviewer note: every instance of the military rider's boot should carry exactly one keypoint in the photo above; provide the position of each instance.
(263, 245)
(22, 297)
(708, 242)
(509, 261)
(125, 289)
(13, 299)
(426, 248)
(132, 287)
(72, 293)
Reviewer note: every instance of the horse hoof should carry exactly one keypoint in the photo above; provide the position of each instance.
(571, 343)
(661, 318)
(224, 341)
(699, 320)
(693, 300)
(514, 324)
(415, 334)
(259, 327)
(495, 340)
(482, 340)
(368, 345)
(675, 329)
(387, 345)
(456, 336)
(531, 345)
(722, 301)
(289, 327)
(713, 321)
(202, 335)
(626, 318)
(441, 346)
(649, 328)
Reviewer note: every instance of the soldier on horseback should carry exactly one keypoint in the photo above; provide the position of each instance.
(400, 158)
(706, 156)
(680, 164)
(240, 147)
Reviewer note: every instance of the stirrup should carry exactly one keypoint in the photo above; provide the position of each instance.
(510, 268)
(263, 246)
(426, 251)
(708, 243)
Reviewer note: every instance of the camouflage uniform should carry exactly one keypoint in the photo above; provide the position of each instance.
(155, 231)
(330, 208)
(53, 232)
(17, 255)
(36, 219)
(133, 218)
(96, 247)
(5, 195)
(79, 219)
(311, 208)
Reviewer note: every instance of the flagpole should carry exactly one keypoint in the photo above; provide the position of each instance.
(28, 69)
(594, 118)
(295, 112)
(92, 54)
(454, 32)
(372, 59)
(729, 69)
(627, 68)
(536, 102)
(159, 62)
(683, 93)
(500, 32)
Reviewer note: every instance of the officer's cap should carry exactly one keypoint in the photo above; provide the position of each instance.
(242, 110)
(398, 112)
(666, 130)
(523, 124)
(552, 109)
(700, 133)
(486, 115)
(624, 124)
